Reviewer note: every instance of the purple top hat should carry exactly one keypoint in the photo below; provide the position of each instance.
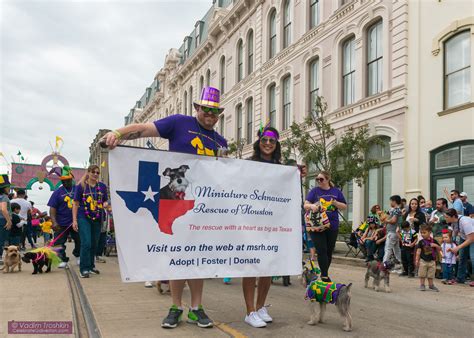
(210, 97)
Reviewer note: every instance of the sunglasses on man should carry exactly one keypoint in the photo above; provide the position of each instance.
(209, 110)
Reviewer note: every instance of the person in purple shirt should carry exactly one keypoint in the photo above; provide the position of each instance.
(191, 135)
(60, 211)
(90, 201)
(325, 241)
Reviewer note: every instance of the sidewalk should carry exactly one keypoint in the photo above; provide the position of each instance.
(27, 297)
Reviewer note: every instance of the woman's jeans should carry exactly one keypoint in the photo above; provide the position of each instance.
(89, 233)
(4, 234)
(101, 245)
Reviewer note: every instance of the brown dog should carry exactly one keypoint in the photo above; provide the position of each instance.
(12, 259)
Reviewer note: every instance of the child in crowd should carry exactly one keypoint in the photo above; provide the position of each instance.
(393, 222)
(368, 240)
(408, 237)
(448, 261)
(426, 252)
(380, 237)
(46, 228)
(14, 237)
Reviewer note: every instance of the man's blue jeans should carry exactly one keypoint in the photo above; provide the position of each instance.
(65, 231)
(464, 254)
(89, 233)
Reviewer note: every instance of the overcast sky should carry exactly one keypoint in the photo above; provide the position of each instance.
(70, 68)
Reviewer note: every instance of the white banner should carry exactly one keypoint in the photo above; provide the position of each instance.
(180, 216)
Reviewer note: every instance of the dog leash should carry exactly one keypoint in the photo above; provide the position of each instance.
(41, 256)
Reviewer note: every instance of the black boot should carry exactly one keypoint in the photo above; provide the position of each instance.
(286, 281)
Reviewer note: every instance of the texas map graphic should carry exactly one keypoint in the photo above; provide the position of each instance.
(147, 196)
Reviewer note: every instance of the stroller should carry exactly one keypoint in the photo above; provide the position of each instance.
(110, 244)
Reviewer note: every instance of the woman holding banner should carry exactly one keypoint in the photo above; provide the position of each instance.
(325, 197)
(266, 149)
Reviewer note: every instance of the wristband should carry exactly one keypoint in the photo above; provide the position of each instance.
(117, 134)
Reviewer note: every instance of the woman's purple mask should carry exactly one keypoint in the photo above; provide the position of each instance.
(269, 133)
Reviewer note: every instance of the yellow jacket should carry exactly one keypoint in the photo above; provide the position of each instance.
(46, 226)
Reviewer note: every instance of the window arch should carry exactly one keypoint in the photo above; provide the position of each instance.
(272, 34)
(272, 105)
(240, 60)
(374, 58)
(222, 74)
(457, 69)
(313, 84)
(185, 103)
(286, 101)
(249, 114)
(239, 113)
(452, 167)
(287, 23)
(250, 52)
(379, 181)
(348, 71)
(208, 78)
(201, 84)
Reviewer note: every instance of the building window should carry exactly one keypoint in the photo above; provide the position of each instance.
(272, 105)
(457, 70)
(313, 13)
(348, 192)
(186, 47)
(452, 167)
(348, 71)
(273, 35)
(250, 53)
(379, 181)
(197, 33)
(313, 84)
(287, 24)
(240, 61)
(201, 84)
(239, 122)
(374, 59)
(208, 78)
(222, 74)
(185, 102)
(221, 125)
(191, 100)
(286, 102)
(249, 110)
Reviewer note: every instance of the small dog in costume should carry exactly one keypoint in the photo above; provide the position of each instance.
(175, 190)
(12, 259)
(41, 257)
(377, 270)
(324, 293)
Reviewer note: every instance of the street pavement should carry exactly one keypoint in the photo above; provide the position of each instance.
(130, 310)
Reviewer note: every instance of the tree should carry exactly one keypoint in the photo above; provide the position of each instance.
(236, 148)
(344, 156)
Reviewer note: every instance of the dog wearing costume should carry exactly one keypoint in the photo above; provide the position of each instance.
(41, 257)
(323, 293)
(12, 259)
(377, 270)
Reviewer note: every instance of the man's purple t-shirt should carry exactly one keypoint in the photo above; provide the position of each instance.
(332, 193)
(94, 193)
(185, 135)
(62, 200)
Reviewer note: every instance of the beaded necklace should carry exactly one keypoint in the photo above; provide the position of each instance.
(95, 202)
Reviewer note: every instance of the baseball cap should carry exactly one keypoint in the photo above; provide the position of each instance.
(463, 194)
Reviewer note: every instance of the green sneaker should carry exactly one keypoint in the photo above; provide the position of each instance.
(199, 317)
(173, 318)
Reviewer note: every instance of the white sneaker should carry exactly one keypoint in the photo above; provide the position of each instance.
(254, 320)
(78, 261)
(263, 314)
(148, 285)
(62, 265)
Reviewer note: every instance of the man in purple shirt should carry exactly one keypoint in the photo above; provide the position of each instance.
(192, 135)
(60, 210)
